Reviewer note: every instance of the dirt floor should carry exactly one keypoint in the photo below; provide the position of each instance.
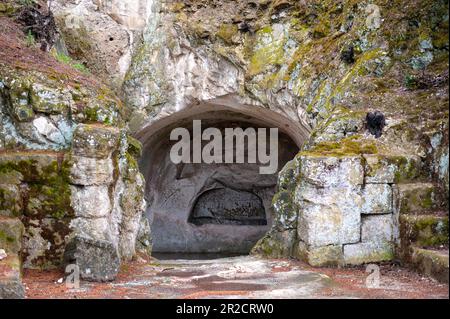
(237, 277)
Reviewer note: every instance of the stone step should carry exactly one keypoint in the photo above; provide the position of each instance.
(415, 198)
(11, 278)
(433, 263)
(424, 231)
(11, 233)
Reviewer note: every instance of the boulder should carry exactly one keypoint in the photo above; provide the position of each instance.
(98, 260)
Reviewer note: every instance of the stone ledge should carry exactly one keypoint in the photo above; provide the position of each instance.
(432, 263)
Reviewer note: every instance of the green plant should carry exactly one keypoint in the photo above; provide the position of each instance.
(27, 2)
(29, 39)
(61, 57)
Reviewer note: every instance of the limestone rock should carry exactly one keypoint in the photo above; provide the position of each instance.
(332, 171)
(432, 263)
(377, 228)
(98, 228)
(11, 232)
(414, 197)
(362, 253)
(97, 259)
(328, 216)
(11, 203)
(389, 169)
(95, 141)
(88, 171)
(144, 238)
(49, 100)
(34, 166)
(11, 278)
(330, 255)
(377, 199)
(90, 201)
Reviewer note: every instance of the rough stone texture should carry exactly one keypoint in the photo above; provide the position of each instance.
(331, 255)
(98, 260)
(362, 253)
(11, 232)
(91, 171)
(95, 141)
(328, 216)
(424, 230)
(281, 238)
(11, 278)
(108, 54)
(377, 199)
(144, 237)
(432, 263)
(286, 63)
(415, 197)
(90, 201)
(332, 171)
(379, 228)
(389, 169)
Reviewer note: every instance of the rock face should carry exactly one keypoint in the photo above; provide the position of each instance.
(67, 170)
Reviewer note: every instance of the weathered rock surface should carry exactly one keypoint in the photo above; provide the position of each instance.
(11, 278)
(98, 260)
(11, 232)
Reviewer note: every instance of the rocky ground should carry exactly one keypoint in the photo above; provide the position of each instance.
(237, 277)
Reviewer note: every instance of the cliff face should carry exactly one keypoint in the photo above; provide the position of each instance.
(67, 166)
(312, 68)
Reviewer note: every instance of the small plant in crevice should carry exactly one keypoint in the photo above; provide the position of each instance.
(30, 39)
(61, 57)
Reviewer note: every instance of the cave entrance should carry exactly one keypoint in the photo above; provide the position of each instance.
(217, 209)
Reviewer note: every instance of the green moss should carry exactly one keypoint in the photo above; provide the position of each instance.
(226, 32)
(4, 237)
(69, 61)
(346, 147)
(425, 230)
(50, 197)
(269, 52)
(134, 147)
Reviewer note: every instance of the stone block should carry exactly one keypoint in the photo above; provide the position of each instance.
(424, 230)
(90, 201)
(431, 263)
(91, 171)
(95, 141)
(377, 199)
(332, 171)
(389, 169)
(414, 198)
(328, 216)
(331, 255)
(363, 253)
(98, 260)
(11, 203)
(377, 228)
(35, 166)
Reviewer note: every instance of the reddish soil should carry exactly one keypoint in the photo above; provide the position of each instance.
(16, 54)
(149, 279)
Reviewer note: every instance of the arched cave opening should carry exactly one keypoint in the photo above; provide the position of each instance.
(212, 209)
